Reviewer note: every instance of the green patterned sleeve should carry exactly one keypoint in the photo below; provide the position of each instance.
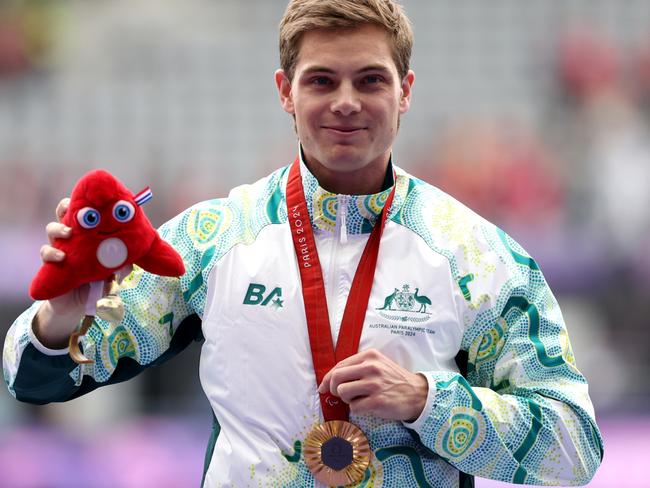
(161, 319)
(522, 414)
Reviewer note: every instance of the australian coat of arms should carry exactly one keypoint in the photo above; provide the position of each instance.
(404, 304)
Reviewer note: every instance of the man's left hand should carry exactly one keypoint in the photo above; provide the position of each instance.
(373, 384)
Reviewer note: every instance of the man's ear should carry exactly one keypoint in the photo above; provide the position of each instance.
(283, 84)
(405, 94)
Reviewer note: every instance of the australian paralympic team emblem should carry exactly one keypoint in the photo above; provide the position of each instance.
(405, 305)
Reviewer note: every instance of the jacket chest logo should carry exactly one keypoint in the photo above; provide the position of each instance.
(405, 305)
(257, 295)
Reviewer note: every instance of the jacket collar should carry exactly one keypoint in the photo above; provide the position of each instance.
(358, 212)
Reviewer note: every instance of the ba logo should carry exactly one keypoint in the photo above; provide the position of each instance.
(256, 295)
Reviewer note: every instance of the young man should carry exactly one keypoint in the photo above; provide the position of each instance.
(341, 282)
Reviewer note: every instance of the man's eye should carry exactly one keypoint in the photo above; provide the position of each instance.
(320, 80)
(372, 79)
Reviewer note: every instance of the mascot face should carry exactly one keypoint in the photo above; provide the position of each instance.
(106, 221)
(107, 215)
(101, 206)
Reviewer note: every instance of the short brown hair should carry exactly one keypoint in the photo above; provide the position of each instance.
(305, 15)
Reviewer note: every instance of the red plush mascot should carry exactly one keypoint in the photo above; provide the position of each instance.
(109, 232)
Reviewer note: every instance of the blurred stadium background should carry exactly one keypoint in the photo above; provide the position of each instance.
(536, 113)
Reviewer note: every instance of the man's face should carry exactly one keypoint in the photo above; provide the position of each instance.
(346, 96)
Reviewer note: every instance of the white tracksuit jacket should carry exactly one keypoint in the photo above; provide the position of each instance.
(450, 291)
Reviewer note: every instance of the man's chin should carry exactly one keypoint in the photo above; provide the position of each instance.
(347, 163)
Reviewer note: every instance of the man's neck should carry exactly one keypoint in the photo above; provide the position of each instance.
(365, 181)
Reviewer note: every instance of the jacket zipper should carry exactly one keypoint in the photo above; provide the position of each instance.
(340, 238)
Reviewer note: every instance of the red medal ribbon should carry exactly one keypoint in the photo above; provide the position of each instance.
(313, 291)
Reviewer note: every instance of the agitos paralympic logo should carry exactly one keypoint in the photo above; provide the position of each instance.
(405, 305)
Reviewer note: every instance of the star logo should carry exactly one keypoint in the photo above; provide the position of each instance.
(277, 303)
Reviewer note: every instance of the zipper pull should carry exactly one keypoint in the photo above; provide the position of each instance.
(342, 214)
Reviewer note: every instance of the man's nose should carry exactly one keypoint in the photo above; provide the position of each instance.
(346, 100)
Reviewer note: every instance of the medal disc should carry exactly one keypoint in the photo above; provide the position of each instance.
(337, 453)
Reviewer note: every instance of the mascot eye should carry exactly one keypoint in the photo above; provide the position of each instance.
(88, 218)
(123, 211)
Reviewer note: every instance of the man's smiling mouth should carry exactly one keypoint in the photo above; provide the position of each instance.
(344, 130)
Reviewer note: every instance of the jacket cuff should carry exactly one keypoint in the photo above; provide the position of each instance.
(38, 344)
(417, 424)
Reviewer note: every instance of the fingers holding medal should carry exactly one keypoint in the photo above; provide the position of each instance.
(373, 384)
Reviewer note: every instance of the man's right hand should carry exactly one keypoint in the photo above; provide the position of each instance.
(58, 317)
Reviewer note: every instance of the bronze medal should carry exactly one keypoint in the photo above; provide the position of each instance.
(337, 453)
